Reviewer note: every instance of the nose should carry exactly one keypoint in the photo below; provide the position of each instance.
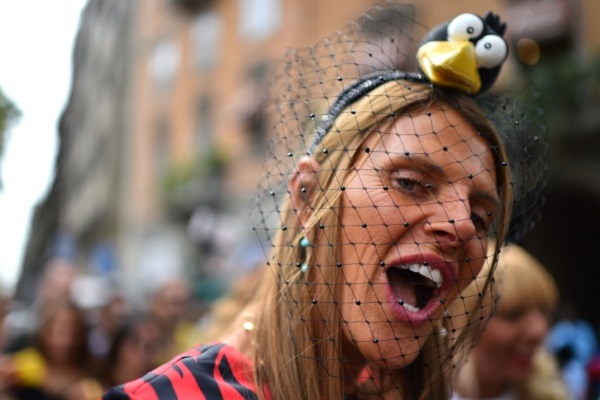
(451, 223)
(535, 325)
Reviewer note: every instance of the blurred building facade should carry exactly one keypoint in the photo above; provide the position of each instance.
(162, 136)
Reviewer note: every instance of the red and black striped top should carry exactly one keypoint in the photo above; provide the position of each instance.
(215, 371)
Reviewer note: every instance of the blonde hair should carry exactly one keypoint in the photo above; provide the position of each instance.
(524, 283)
(295, 355)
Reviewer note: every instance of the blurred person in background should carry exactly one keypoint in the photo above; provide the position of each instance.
(593, 372)
(169, 305)
(218, 319)
(573, 341)
(53, 289)
(56, 283)
(134, 351)
(57, 365)
(510, 362)
(107, 322)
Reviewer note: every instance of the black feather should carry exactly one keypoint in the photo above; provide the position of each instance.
(493, 21)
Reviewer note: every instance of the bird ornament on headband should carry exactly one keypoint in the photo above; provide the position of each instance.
(465, 53)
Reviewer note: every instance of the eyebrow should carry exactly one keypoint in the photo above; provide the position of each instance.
(492, 200)
(425, 164)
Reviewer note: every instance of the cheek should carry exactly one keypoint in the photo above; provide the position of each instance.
(499, 336)
(361, 289)
(476, 251)
(369, 333)
(390, 222)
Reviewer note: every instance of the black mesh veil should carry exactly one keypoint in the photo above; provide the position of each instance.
(519, 121)
(382, 205)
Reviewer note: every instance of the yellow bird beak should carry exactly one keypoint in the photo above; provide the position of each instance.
(450, 64)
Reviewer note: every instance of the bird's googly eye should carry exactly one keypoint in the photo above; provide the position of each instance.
(491, 51)
(465, 27)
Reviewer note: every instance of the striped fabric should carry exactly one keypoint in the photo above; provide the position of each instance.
(215, 371)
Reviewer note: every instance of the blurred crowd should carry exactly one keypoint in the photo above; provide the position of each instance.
(80, 336)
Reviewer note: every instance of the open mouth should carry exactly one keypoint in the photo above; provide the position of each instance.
(414, 285)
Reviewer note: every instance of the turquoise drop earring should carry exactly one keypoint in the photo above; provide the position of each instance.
(304, 243)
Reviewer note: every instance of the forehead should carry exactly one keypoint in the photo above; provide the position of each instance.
(429, 131)
(442, 135)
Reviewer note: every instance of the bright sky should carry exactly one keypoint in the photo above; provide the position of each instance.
(36, 42)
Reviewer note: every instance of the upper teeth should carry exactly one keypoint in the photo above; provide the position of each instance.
(430, 273)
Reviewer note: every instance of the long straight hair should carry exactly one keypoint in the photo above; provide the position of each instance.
(298, 347)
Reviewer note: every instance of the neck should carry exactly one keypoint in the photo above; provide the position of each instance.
(239, 336)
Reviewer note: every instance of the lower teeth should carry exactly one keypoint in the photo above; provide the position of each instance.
(408, 306)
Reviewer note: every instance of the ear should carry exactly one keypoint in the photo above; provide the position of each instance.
(303, 182)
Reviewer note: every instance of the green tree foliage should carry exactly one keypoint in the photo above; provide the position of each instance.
(9, 114)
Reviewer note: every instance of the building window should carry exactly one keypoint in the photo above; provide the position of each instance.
(259, 18)
(205, 33)
(164, 63)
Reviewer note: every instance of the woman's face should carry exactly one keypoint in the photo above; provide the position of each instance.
(63, 335)
(139, 351)
(507, 347)
(415, 217)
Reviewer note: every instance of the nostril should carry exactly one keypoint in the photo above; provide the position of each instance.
(444, 235)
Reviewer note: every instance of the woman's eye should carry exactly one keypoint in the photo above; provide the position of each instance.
(407, 183)
(511, 315)
(480, 221)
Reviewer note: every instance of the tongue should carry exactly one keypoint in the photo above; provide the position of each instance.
(402, 285)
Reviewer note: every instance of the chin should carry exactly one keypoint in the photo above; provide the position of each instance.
(390, 353)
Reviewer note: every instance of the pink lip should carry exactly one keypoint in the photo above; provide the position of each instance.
(449, 272)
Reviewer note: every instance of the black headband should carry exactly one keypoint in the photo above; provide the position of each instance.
(357, 90)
